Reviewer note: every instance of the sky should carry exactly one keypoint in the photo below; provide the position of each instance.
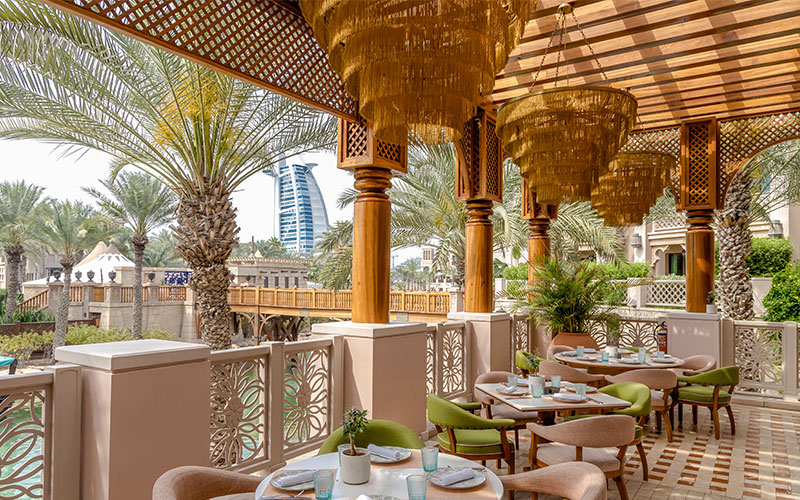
(64, 176)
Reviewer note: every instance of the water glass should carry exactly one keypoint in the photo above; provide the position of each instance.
(512, 382)
(537, 386)
(642, 355)
(660, 355)
(323, 484)
(604, 356)
(430, 460)
(580, 390)
(579, 350)
(340, 449)
(417, 484)
(555, 382)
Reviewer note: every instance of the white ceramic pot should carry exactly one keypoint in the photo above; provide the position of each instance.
(612, 351)
(355, 469)
(711, 308)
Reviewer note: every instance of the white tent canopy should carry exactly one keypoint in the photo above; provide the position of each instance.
(101, 260)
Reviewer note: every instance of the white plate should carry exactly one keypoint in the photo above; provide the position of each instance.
(571, 387)
(625, 351)
(630, 361)
(518, 392)
(662, 360)
(587, 358)
(309, 485)
(589, 350)
(405, 454)
(478, 480)
(566, 397)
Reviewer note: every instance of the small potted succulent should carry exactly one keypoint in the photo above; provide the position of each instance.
(355, 466)
(711, 307)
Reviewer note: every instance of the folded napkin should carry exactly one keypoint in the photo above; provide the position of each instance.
(630, 361)
(508, 390)
(570, 353)
(522, 381)
(295, 479)
(384, 453)
(456, 477)
(363, 497)
(567, 396)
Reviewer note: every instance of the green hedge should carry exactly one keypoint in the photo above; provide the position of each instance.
(606, 270)
(783, 300)
(769, 256)
(518, 272)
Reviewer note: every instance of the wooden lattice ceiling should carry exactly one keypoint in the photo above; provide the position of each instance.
(681, 58)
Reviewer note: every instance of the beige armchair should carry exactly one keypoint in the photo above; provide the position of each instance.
(491, 409)
(699, 363)
(569, 374)
(602, 441)
(661, 384)
(202, 483)
(556, 349)
(573, 480)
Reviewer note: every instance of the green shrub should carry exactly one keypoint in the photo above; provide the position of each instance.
(518, 272)
(621, 271)
(769, 256)
(783, 300)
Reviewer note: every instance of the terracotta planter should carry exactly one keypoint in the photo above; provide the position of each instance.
(574, 340)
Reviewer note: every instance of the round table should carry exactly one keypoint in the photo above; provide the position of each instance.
(613, 367)
(389, 481)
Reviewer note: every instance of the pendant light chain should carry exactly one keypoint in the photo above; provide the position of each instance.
(546, 50)
(591, 50)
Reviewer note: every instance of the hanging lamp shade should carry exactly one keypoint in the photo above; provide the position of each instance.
(634, 181)
(417, 67)
(563, 138)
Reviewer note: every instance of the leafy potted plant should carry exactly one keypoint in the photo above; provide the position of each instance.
(711, 307)
(355, 465)
(568, 297)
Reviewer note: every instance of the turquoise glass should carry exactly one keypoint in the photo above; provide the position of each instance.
(417, 485)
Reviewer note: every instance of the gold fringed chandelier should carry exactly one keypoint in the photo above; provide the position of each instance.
(563, 138)
(417, 67)
(633, 183)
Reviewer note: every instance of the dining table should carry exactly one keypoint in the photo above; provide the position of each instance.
(593, 363)
(546, 407)
(386, 480)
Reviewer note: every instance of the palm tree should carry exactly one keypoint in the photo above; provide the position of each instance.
(272, 248)
(160, 252)
(201, 133)
(18, 202)
(67, 229)
(425, 211)
(142, 203)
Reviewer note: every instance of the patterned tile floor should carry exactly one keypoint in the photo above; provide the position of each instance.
(761, 461)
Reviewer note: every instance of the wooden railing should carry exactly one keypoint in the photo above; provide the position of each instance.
(35, 303)
(171, 293)
(76, 293)
(309, 298)
(99, 294)
(126, 294)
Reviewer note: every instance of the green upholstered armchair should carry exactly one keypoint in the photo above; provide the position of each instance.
(639, 396)
(527, 362)
(706, 389)
(378, 432)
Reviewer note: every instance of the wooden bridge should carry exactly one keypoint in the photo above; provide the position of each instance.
(312, 303)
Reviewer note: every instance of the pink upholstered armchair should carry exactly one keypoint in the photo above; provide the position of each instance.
(202, 483)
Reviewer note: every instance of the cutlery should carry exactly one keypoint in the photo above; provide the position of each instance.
(281, 497)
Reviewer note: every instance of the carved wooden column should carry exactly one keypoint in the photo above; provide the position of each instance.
(479, 183)
(372, 163)
(538, 217)
(699, 197)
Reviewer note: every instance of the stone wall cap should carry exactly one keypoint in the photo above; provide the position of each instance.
(369, 330)
(694, 316)
(473, 316)
(132, 354)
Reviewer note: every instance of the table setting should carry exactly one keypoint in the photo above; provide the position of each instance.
(395, 474)
(617, 359)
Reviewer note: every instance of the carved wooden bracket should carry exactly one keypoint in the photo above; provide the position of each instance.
(358, 147)
(479, 161)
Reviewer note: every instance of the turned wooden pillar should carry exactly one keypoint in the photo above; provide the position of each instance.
(478, 289)
(700, 195)
(479, 183)
(372, 163)
(538, 217)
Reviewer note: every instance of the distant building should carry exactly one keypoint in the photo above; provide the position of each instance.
(300, 214)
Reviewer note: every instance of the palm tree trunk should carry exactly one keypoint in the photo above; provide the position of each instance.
(735, 243)
(206, 234)
(13, 257)
(139, 242)
(62, 314)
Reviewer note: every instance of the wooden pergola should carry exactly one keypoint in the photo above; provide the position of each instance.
(717, 81)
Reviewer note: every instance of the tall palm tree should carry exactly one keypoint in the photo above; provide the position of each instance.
(67, 228)
(425, 211)
(18, 202)
(142, 203)
(201, 133)
(160, 252)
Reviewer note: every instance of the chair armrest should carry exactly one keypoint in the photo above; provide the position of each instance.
(468, 406)
(569, 480)
(188, 481)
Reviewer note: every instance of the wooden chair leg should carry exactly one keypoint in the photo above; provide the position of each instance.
(483, 462)
(668, 426)
(680, 415)
(715, 418)
(499, 464)
(623, 491)
(694, 415)
(643, 458)
(516, 437)
(658, 421)
(733, 422)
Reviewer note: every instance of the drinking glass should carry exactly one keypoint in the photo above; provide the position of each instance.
(642, 355)
(512, 382)
(430, 459)
(537, 386)
(604, 356)
(579, 350)
(580, 390)
(417, 484)
(555, 382)
(660, 355)
(340, 449)
(323, 484)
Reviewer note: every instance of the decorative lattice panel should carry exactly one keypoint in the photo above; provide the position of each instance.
(633, 332)
(307, 398)
(356, 140)
(667, 293)
(494, 176)
(479, 166)
(759, 356)
(391, 152)
(260, 42)
(667, 140)
(742, 138)
(358, 147)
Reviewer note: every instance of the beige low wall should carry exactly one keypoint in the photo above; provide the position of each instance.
(177, 318)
